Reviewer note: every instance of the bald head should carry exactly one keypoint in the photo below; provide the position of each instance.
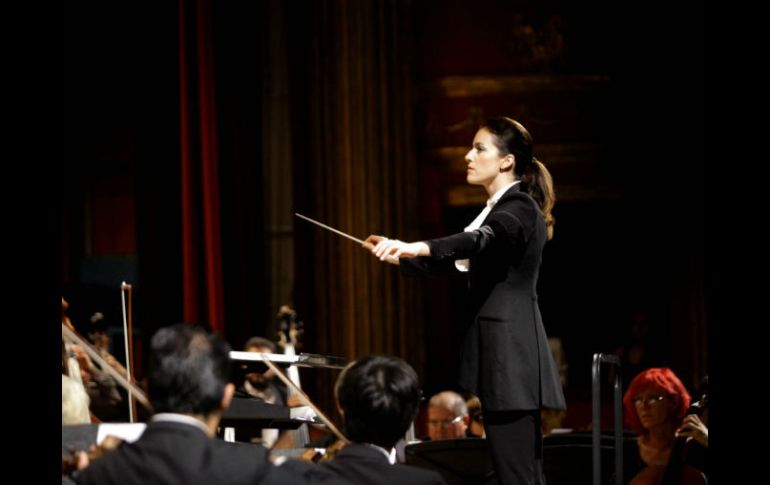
(447, 416)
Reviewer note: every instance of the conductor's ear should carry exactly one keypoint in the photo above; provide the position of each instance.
(508, 163)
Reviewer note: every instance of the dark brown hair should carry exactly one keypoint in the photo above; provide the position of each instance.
(512, 138)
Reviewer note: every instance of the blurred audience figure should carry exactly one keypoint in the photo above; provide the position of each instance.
(476, 418)
(638, 350)
(447, 416)
(262, 386)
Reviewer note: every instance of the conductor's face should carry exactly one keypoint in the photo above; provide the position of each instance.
(484, 161)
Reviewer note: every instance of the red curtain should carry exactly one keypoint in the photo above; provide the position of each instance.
(201, 246)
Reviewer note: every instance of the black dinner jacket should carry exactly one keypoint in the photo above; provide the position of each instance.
(505, 357)
(178, 453)
(362, 464)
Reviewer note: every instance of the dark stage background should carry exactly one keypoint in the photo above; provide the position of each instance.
(192, 131)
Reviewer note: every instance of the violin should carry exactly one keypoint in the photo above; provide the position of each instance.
(81, 459)
(74, 338)
(79, 349)
(329, 453)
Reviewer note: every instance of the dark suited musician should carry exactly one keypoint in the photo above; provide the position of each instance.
(378, 397)
(188, 389)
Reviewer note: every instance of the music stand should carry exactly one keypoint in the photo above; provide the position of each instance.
(567, 458)
(459, 461)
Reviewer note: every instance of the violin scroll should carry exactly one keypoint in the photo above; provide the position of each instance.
(290, 330)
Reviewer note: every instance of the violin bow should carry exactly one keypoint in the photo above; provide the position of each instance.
(303, 397)
(128, 341)
(77, 339)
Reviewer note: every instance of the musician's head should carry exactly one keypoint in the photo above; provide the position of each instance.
(260, 381)
(379, 396)
(476, 422)
(447, 416)
(655, 397)
(189, 371)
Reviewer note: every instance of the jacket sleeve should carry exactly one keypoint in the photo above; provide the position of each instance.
(424, 265)
(512, 223)
(502, 226)
(446, 250)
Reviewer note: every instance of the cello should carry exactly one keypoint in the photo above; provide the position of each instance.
(289, 333)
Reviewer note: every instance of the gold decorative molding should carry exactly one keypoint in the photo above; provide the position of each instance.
(466, 195)
(468, 86)
(554, 155)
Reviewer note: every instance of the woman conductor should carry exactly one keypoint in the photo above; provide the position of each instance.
(505, 358)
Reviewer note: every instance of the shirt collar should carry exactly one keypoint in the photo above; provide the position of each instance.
(496, 196)
(179, 418)
(390, 455)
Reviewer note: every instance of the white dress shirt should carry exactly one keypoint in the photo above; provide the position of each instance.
(464, 264)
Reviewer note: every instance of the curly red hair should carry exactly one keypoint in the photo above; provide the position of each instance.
(661, 379)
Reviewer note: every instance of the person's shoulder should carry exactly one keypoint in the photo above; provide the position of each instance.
(236, 450)
(299, 471)
(419, 475)
(236, 463)
(518, 204)
(180, 455)
(516, 197)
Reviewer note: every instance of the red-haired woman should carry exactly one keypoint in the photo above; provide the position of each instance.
(654, 406)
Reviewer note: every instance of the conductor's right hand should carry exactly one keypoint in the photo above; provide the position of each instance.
(390, 250)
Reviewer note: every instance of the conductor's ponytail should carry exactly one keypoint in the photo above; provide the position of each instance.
(537, 182)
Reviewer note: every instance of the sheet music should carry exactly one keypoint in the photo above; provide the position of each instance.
(256, 357)
(301, 360)
(126, 431)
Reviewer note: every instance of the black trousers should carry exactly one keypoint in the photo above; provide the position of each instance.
(516, 443)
